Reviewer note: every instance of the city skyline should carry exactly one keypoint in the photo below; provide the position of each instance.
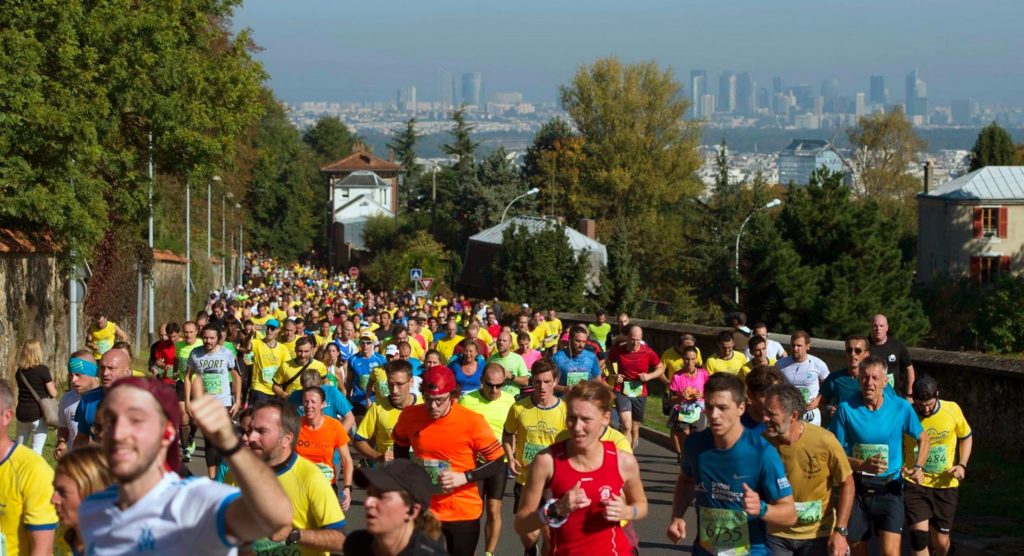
(533, 47)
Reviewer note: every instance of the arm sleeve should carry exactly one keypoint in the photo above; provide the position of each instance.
(912, 424)
(342, 438)
(39, 513)
(512, 419)
(399, 434)
(905, 360)
(962, 429)
(838, 463)
(324, 509)
(484, 441)
(837, 427)
(773, 475)
(595, 368)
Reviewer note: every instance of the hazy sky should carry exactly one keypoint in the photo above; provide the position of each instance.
(344, 50)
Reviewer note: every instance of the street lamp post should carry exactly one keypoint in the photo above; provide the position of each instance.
(532, 191)
(224, 236)
(209, 216)
(771, 204)
(188, 250)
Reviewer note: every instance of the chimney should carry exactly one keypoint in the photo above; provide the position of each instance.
(588, 227)
(358, 146)
(927, 175)
(391, 154)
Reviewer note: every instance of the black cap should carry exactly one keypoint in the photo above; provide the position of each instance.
(925, 388)
(399, 474)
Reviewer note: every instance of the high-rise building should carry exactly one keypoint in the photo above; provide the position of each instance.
(698, 88)
(763, 98)
(963, 110)
(745, 88)
(473, 89)
(707, 105)
(447, 88)
(727, 92)
(407, 100)
(830, 94)
(878, 93)
(776, 85)
(860, 109)
(916, 98)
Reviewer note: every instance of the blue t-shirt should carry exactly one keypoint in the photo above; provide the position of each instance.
(572, 370)
(337, 406)
(85, 415)
(841, 387)
(361, 368)
(467, 383)
(719, 476)
(863, 432)
(747, 421)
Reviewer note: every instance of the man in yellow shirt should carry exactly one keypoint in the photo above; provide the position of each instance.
(726, 360)
(554, 326)
(267, 356)
(27, 520)
(933, 500)
(446, 346)
(383, 413)
(758, 348)
(289, 334)
(672, 357)
(102, 335)
(286, 379)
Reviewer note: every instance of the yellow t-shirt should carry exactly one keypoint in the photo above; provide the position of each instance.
(734, 365)
(265, 362)
(447, 347)
(749, 366)
(539, 334)
(320, 340)
(379, 380)
(103, 338)
(290, 346)
(26, 486)
(673, 361)
(378, 423)
(428, 336)
(314, 505)
(554, 331)
(484, 335)
(181, 353)
(291, 368)
(494, 412)
(813, 465)
(259, 324)
(535, 429)
(945, 428)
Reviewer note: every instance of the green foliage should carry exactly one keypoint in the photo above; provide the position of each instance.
(620, 278)
(458, 189)
(330, 139)
(554, 164)
(540, 268)
(994, 147)
(379, 233)
(410, 190)
(884, 146)
(390, 269)
(500, 183)
(830, 262)
(722, 167)
(997, 325)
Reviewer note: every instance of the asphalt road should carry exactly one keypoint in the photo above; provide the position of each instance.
(658, 469)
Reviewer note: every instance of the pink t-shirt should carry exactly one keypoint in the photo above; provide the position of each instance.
(531, 357)
(681, 381)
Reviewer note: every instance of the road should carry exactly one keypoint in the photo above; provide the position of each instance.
(658, 469)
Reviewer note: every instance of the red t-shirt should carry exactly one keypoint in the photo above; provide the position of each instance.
(632, 363)
(164, 349)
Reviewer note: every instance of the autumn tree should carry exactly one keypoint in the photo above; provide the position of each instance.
(885, 145)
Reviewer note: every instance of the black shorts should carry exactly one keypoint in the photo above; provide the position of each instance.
(935, 505)
(493, 488)
(635, 406)
(781, 546)
(679, 426)
(179, 389)
(461, 537)
(877, 508)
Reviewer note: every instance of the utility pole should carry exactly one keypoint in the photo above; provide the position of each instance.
(149, 283)
(188, 251)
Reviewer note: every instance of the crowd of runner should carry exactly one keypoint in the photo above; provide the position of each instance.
(304, 385)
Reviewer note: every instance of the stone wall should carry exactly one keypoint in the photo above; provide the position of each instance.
(988, 388)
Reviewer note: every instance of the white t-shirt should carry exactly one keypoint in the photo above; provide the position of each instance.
(806, 376)
(773, 350)
(179, 516)
(66, 415)
(214, 369)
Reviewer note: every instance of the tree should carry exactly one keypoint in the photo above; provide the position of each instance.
(404, 147)
(330, 139)
(390, 269)
(994, 147)
(500, 182)
(884, 146)
(620, 279)
(540, 267)
(554, 164)
(722, 167)
(459, 189)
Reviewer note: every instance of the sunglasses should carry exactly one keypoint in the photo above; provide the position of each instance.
(858, 351)
(494, 386)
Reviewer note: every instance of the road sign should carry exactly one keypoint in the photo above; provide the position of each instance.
(354, 272)
(74, 291)
(415, 274)
(421, 293)
(425, 283)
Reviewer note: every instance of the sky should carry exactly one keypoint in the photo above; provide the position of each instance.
(340, 50)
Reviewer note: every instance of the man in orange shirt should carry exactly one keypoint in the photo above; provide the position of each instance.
(448, 440)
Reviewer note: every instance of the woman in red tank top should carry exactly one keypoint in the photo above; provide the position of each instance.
(595, 488)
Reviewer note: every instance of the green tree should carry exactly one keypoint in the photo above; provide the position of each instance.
(722, 167)
(404, 147)
(884, 146)
(620, 278)
(994, 147)
(390, 269)
(330, 139)
(554, 164)
(458, 188)
(539, 267)
(996, 327)
(500, 182)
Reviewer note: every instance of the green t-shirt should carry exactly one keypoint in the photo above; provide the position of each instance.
(600, 333)
(514, 364)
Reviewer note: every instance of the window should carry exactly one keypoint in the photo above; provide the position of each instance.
(990, 222)
(986, 269)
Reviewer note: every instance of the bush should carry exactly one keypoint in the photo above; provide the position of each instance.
(389, 269)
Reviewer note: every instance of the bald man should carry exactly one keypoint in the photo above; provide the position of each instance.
(899, 367)
(114, 365)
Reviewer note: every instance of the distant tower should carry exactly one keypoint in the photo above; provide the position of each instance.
(878, 93)
(776, 85)
(916, 95)
(698, 88)
(447, 89)
(745, 88)
(727, 92)
(473, 89)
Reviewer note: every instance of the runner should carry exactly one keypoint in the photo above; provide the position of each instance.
(448, 439)
(151, 508)
(757, 383)
(575, 363)
(286, 380)
(83, 375)
(531, 426)
(843, 385)
(758, 356)
(319, 437)
(600, 328)
(775, 350)
(517, 375)
(102, 335)
(806, 372)
(318, 521)
(554, 331)
(493, 404)
(637, 364)
(446, 344)
(734, 476)
(267, 356)
(360, 368)
(162, 352)
(673, 356)
(182, 349)
(113, 366)
(27, 520)
(336, 405)
(726, 359)
(594, 487)
(380, 419)
(289, 335)
(218, 377)
(345, 334)
(77, 476)
(686, 392)
(896, 356)
(931, 502)
(870, 428)
(467, 366)
(814, 463)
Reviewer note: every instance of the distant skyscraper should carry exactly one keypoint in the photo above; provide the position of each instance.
(745, 88)
(776, 85)
(963, 111)
(916, 97)
(447, 89)
(859, 106)
(763, 98)
(707, 105)
(407, 99)
(727, 92)
(698, 88)
(830, 93)
(878, 92)
(473, 89)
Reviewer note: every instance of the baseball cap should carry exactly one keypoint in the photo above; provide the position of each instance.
(437, 381)
(273, 323)
(168, 402)
(367, 336)
(399, 474)
(392, 350)
(82, 367)
(925, 388)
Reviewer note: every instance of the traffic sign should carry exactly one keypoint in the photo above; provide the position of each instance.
(425, 283)
(415, 274)
(421, 293)
(354, 272)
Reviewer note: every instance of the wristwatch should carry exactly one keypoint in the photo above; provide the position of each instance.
(293, 537)
(842, 531)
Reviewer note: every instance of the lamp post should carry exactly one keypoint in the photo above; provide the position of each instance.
(532, 191)
(771, 204)
(224, 236)
(188, 250)
(209, 215)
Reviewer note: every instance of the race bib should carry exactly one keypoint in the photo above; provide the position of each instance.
(363, 381)
(248, 358)
(892, 381)
(633, 388)
(938, 461)
(808, 513)
(213, 384)
(576, 377)
(382, 388)
(267, 547)
(103, 346)
(3, 545)
(530, 451)
(434, 468)
(689, 413)
(327, 470)
(268, 374)
(724, 532)
(866, 451)
(805, 392)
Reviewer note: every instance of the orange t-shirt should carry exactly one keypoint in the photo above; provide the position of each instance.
(318, 445)
(457, 438)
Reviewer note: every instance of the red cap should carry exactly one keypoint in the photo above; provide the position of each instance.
(168, 402)
(437, 381)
